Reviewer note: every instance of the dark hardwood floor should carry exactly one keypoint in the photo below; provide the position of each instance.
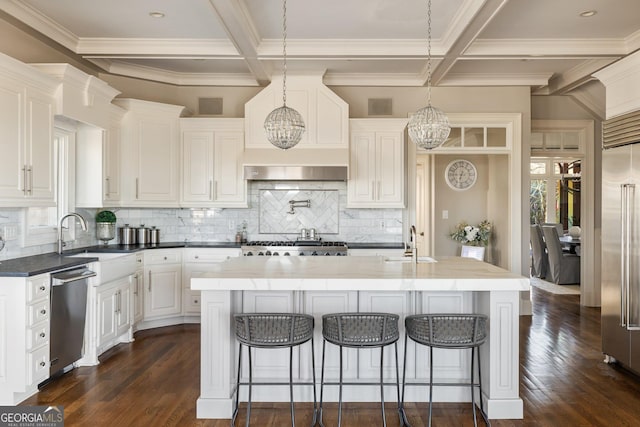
(155, 381)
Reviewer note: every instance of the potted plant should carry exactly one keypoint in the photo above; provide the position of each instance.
(105, 226)
(472, 235)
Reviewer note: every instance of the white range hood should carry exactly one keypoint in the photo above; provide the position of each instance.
(326, 116)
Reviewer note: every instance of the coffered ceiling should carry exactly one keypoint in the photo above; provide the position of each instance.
(544, 44)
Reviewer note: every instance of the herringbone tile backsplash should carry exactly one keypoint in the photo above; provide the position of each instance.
(276, 216)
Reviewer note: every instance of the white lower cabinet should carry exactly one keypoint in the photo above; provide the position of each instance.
(24, 336)
(163, 283)
(199, 261)
(114, 312)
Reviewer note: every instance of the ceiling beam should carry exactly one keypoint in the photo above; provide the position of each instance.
(482, 18)
(235, 19)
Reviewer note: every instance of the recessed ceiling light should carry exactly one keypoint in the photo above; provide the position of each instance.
(156, 14)
(588, 13)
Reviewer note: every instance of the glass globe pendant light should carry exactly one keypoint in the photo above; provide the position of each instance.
(284, 126)
(429, 126)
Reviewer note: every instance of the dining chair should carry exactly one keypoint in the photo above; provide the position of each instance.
(564, 268)
(540, 264)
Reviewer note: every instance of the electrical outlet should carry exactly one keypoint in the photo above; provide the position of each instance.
(445, 214)
(232, 225)
(382, 225)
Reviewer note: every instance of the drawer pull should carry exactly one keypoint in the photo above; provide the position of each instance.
(42, 288)
(43, 311)
(42, 335)
(43, 364)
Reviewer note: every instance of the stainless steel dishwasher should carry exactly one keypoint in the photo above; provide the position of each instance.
(68, 316)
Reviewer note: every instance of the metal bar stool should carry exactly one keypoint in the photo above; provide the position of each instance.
(359, 330)
(450, 331)
(273, 330)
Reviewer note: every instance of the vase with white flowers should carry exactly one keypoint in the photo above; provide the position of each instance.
(472, 235)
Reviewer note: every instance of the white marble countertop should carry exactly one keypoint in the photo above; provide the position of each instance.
(358, 274)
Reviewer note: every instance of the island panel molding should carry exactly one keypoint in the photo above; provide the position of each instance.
(319, 285)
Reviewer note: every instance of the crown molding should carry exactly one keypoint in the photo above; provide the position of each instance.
(519, 79)
(178, 79)
(577, 76)
(382, 79)
(590, 101)
(91, 47)
(546, 47)
(411, 48)
(41, 23)
(633, 42)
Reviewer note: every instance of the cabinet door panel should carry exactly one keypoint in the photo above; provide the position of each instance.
(11, 172)
(362, 183)
(123, 320)
(39, 141)
(269, 363)
(385, 302)
(317, 304)
(106, 315)
(163, 291)
(450, 364)
(111, 160)
(157, 178)
(229, 183)
(197, 152)
(389, 161)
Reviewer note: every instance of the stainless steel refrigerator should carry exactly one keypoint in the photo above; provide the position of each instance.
(621, 255)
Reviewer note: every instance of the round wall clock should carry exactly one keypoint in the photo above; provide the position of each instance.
(461, 174)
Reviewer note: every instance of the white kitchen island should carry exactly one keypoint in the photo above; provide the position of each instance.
(320, 285)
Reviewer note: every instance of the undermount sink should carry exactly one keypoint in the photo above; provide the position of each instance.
(402, 259)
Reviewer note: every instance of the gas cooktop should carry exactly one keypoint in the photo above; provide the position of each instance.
(295, 248)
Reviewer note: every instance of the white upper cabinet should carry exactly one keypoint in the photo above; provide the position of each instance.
(87, 101)
(212, 174)
(26, 125)
(98, 163)
(377, 164)
(149, 154)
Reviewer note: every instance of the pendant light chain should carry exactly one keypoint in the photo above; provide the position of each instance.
(284, 52)
(428, 127)
(284, 126)
(429, 52)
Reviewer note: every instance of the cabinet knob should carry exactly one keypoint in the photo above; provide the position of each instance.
(165, 258)
(42, 288)
(42, 335)
(196, 301)
(43, 364)
(197, 257)
(43, 311)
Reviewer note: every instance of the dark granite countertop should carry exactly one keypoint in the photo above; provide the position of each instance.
(45, 263)
(39, 264)
(374, 245)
